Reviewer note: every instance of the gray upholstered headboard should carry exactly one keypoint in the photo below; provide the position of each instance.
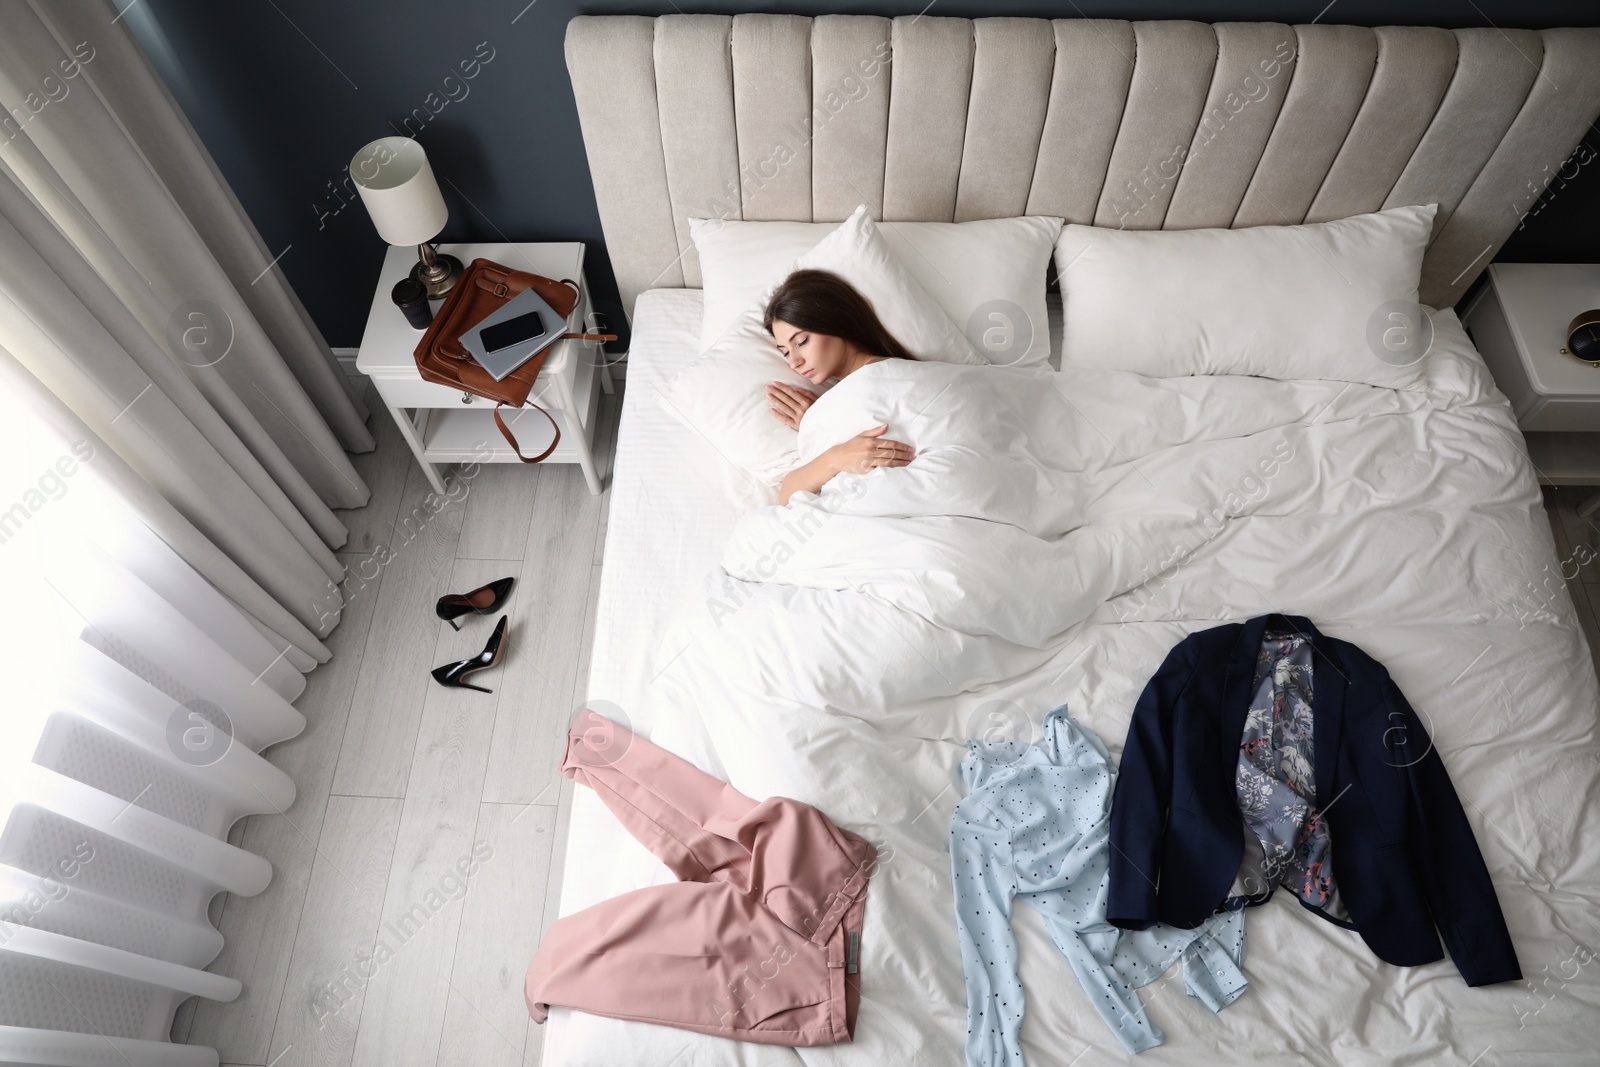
(1146, 125)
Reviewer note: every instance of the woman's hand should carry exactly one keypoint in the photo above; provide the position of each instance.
(789, 403)
(862, 453)
(867, 451)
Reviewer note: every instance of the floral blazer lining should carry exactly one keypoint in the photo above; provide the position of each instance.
(1287, 843)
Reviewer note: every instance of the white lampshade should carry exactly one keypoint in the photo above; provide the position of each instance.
(397, 185)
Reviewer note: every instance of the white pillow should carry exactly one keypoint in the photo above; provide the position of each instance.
(1329, 300)
(722, 395)
(988, 275)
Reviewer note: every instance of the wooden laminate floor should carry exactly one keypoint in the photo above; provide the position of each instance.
(420, 864)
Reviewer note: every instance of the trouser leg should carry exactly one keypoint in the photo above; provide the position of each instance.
(767, 933)
(683, 815)
(694, 955)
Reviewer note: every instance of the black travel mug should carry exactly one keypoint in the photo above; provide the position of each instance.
(411, 297)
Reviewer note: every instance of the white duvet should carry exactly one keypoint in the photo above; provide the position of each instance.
(1055, 537)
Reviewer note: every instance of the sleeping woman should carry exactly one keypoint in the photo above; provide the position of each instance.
(825, 329)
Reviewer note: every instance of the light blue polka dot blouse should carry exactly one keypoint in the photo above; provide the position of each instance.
(1035, 825)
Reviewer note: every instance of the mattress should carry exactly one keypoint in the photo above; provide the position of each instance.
(1506, 684)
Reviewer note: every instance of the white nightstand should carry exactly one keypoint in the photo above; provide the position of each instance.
(1519, 321)
(444, 425)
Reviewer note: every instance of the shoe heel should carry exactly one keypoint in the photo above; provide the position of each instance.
(453, 675)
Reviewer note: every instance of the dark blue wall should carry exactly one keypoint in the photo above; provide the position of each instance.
(284, 91)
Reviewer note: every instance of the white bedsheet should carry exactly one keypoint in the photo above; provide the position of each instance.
(1410, 525)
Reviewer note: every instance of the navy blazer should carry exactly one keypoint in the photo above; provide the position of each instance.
(1403, 854)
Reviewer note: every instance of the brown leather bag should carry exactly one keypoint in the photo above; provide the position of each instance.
(482, 288)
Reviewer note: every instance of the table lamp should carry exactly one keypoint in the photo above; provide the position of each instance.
(397, 186)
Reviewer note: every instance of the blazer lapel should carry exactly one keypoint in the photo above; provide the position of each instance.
(1236, 688)
(1328, 688)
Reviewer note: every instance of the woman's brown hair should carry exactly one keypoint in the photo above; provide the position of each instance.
(820, 301)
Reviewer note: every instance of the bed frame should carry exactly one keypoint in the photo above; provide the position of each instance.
(1145, 125)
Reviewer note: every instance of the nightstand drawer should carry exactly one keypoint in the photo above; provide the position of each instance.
(413, 392)
(1555, 413)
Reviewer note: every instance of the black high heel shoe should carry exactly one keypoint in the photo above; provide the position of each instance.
(454, 675)
(483, 600)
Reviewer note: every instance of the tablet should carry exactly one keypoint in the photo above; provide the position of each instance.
(514, 333)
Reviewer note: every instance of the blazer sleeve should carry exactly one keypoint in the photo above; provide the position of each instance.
(1143, 796)
(1445, 854)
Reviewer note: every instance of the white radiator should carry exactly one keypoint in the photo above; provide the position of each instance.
(132, 723)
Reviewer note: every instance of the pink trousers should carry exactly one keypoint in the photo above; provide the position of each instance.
(758, 940)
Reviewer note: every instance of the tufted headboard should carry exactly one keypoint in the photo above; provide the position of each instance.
(1145, 125)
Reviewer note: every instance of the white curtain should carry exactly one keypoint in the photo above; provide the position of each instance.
(135, 289)
(173, 438)
(137, 700)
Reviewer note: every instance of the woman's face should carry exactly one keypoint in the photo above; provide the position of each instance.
(816, 357)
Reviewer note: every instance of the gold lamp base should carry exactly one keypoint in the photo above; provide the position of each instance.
(436, 271)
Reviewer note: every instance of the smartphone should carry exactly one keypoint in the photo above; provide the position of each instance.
(503, 335)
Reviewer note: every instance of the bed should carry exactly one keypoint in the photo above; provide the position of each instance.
(1416, 530)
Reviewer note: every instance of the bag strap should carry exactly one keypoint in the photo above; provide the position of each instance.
(506, 432)
(582, 336)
